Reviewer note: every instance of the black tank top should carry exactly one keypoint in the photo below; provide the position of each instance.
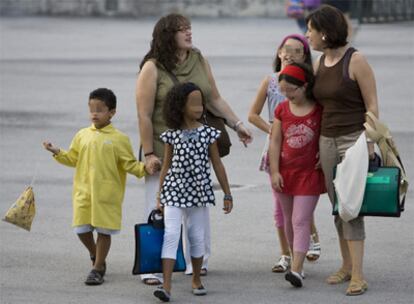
(341, 98)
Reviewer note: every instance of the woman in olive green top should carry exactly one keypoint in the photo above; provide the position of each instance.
(172, 52)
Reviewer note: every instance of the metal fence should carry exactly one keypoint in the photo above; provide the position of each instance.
(380, 11)
(364, 10)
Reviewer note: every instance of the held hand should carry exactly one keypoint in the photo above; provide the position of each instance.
(48, 146)
(227, 206)
(153, 163)
(277, 181)
(374, 162)
(244, 135)
(149, 169)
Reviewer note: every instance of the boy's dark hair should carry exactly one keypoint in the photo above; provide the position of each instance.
(175, 102)
(331, 22)
(309, 77)
(106, 96)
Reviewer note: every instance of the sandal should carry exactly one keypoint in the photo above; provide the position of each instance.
(356, 287)
(93, 259)
(338, 277)
(200, 291)
(296, 279)
(151, 281)
(103, 271)
(314, 250)
(203, 272)
(162, 294)
(282, 265)
(94, 278)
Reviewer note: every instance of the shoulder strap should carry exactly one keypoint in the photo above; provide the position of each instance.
(172, 76)
(347, 60)
(169, 73)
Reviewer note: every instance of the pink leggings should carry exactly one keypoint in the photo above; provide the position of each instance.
(298, 212)
(277, 213)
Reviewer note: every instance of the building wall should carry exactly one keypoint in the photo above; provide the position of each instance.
(142, 8)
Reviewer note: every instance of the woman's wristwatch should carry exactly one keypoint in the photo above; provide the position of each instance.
(228, 197)
(149, 153)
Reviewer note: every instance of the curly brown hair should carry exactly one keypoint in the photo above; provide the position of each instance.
(163, 47)
(175, 102)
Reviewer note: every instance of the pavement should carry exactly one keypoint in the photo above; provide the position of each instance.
(48, 66)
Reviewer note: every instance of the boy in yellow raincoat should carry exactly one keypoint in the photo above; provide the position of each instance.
(102, 156)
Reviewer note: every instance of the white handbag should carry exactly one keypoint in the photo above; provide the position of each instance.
(350, 179)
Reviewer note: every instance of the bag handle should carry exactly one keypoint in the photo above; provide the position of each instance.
(172, 76)
(34, 175)
(156, 219)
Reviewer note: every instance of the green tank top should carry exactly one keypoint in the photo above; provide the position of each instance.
(191, 70)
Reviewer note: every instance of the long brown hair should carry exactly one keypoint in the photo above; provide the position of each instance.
(163, 46)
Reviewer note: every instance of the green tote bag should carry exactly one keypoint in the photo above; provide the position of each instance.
(382, 195)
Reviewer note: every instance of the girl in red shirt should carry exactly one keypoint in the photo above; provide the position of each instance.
(294, 163)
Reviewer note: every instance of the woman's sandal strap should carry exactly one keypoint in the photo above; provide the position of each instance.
(338, 277)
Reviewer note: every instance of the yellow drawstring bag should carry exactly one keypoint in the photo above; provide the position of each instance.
(22, 212)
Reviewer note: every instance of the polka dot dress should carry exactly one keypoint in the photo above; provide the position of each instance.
(188, 182)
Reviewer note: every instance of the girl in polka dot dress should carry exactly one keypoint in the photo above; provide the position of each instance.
(186, 187)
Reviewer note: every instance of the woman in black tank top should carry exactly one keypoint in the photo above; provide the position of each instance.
(345, 87)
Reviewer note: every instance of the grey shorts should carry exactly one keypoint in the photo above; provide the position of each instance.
(89, 228)
(331, 152)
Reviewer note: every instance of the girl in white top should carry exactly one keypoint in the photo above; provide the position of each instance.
(294, 48)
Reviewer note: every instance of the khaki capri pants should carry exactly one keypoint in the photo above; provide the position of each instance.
(331, 152)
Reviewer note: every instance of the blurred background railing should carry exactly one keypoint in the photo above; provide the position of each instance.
(379, 11)
(366, 11)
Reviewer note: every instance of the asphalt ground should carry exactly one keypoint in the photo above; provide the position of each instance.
(48, 66)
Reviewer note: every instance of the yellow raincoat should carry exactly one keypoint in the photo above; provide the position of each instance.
(102, 158)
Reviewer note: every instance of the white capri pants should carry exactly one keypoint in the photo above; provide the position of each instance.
(207, 243)
(173, 218)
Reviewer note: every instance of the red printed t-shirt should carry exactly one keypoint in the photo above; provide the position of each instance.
(300, 146)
